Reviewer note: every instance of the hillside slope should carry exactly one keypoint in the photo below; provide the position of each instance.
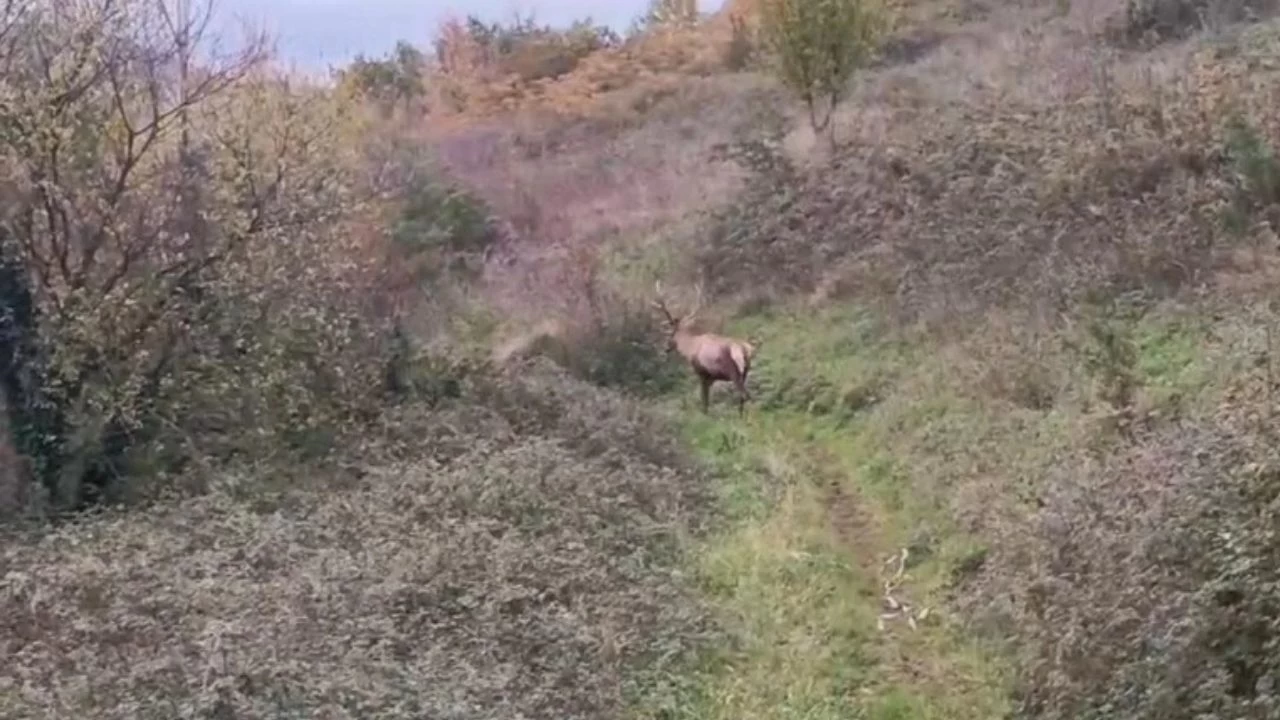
(1023, 337)
(1012, 452)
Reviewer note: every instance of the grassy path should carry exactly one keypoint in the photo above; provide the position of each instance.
(815, 521)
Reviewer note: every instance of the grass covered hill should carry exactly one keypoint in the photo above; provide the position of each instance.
(388, 429)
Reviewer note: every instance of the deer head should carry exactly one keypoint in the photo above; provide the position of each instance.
(676, 324)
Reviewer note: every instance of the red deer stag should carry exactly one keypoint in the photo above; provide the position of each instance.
(712, 357)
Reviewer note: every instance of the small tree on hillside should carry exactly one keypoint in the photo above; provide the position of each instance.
(398, 79)
(817, 45)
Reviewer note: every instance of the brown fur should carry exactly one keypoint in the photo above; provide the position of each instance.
(712, 357)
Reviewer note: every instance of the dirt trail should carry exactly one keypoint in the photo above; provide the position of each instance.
(853, 525)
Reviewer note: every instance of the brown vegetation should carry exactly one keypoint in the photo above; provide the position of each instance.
(523, 570)
(363, 367)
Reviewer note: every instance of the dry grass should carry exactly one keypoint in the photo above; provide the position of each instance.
(526, 574)
(1007, 165)
(567, 189)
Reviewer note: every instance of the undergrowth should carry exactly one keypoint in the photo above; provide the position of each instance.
(529, 567)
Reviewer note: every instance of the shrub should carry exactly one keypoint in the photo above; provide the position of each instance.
(817, 45)
(1108, 350)
(618, 345)
(397, 79)
(1156, 591)
(624, 349)
(181, 267)
(530, 573)
(442, 228)
(739, 51)
(1255, 175)
(1153, 21)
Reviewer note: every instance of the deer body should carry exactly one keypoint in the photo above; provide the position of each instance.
(713, 358)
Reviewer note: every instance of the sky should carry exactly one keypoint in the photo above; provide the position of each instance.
(317, 33)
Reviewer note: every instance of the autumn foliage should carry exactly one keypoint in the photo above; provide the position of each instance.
(181, 263)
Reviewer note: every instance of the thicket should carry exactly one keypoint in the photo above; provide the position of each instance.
(512, 553)
(1146, 23)
(398, 80)
(521, 48)
(194, 266)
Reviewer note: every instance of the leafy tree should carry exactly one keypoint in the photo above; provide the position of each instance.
(817, 45)
(396, 79)
(170, 265)
(522, 46)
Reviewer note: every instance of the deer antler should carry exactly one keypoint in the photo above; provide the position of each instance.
(661, 304)
(697, 303)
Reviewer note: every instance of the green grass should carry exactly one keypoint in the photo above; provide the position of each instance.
(1171, 360)
(812, 512)
(864, 441)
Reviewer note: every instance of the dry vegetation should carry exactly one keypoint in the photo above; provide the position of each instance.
(345, 400)
(525, 569)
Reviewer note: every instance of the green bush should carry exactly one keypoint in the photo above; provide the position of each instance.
(817, 45)
(397, 79)
(739, 52)
(1108, 350)
(1254, 175)
(624, 349)
(443, 228)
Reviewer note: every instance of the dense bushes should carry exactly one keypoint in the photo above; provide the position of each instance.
(1156, 591)
(441, 228)
(197, 286)
(1152, 21)
(396, 80)
(523, 48)
(622, 348)
(528, 571)
(966, 211)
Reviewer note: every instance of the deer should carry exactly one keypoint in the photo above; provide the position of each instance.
(712, 357)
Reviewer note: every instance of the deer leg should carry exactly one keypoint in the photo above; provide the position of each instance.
(743, 395)
(706, 392)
